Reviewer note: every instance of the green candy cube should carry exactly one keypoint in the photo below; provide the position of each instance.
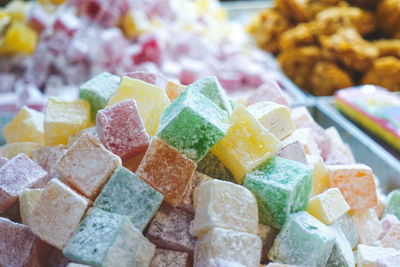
(281, 187)
(213, 167)
(393, 204)
(348, 228)
(107, 239)
(303, 240)
(126, 194)
(211, 88)
(98, 90)
(342, 254)
(192, 124)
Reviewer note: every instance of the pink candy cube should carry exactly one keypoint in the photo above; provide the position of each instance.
(3, 161)
(19, 246)
(269, 91)
(19, 173)
(149, 77)
(150, 51)
(293, 151)
(121, 129)
(38, 18)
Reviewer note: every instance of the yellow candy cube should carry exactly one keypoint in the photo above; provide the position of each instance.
(11, 150)
(246, 144)
(27, 202)
(276, 118)
(5, 20)
(134, 23)
(19, 38)
(26, 126)
(320, 175)
(328, 206)
(63, 119)
(151, 101)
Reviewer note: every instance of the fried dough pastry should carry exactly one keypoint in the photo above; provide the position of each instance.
(389, 16)
(349, 48)
(304, 34)
(327, 77)
(303, 10)
(385, 72)
(388, 47)
(298, 63)
(266, 28)
(332, 19)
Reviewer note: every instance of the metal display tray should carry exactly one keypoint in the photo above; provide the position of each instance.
(365, 150)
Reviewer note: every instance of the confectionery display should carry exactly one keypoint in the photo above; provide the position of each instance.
(324, 46)
(49, 48)
(203, 180)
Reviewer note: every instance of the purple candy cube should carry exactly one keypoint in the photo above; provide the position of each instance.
(19, 173)
(293, 151)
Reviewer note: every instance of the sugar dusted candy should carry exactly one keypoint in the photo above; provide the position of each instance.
(193, 124)
(241, 214)
(367, 224)
(391, 239)
(76, 167)
(293, 151)
(19, 38)
(320, 175)
(393, 204)
(173, 90)
(274, 264)
(214, 168)
(26, 126)
(342, 253)
(274, 117)
(269, 91)
(228, 247)
(187, 199)
(126, 194)
(170, 258)
(151, 100)
(57, 213)
(281, 187)
(48, 157)
(3, 161)
(166, 170)
(11, 150)
(63, 119)
(356, 182)
(98, 91)
(210, 87)
(169, 229)
(77, 265)
(370, 255)
(387, 223)
(306, 138)
(303, 240)
(28, 199)
(246, 145)
(328, 206)
(16, 175)
(108, 239)
(19, 246)
(348, 228)
(301, 116)
(121, 130)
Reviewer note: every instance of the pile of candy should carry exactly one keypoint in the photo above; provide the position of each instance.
(77, 40)
(124, 177)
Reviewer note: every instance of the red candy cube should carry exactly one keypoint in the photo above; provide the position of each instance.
(121, 129)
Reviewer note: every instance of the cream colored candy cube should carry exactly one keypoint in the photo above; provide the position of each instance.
(357, 184)
(224, 204)
(301, 116)
(219, 247)
(328, 206)
(306, 138)
(246, 145)
(151, 101)
(320, 175)
(57, 213)
(338, 144)
(367, 225)
(26, 126)
(368, 256)
(11, 150)
(274, 117)
(27, 202)
(63, 119)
